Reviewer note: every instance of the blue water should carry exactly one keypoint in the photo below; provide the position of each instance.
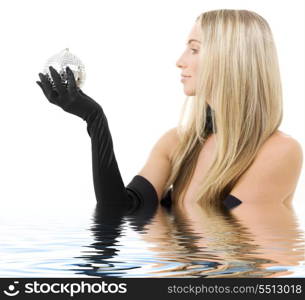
(85, 242)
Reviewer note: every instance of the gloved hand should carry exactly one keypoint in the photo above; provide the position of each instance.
(108, 184)
(70, 98)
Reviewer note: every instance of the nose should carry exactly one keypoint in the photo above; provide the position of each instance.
(179, 63)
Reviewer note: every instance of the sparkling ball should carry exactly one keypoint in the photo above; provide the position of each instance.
(63, 59)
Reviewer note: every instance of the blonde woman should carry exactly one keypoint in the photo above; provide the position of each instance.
(229, 67)
(229, 151)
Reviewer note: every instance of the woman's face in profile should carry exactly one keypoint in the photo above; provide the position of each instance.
(188, 61)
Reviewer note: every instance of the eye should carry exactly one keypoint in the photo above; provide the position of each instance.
(194, 51)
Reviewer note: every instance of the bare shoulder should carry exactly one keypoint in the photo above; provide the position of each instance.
(280, 144)
(274, 174)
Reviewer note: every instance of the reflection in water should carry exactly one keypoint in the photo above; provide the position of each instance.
(107, 226)
(187, 241)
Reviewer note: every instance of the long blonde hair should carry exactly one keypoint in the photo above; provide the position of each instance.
(239, 77)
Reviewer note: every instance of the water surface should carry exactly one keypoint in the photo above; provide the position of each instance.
(152, 242)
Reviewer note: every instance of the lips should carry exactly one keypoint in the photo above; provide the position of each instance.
(184, 78)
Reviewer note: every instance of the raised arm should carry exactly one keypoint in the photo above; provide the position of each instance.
(108, 184)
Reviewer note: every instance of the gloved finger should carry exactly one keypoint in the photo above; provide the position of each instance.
(46, 83)
(47, 86)
(72, 87)
(42, 88)
(57, 81)
(48, 90)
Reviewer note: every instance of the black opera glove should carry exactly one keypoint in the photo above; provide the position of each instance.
(108, 184)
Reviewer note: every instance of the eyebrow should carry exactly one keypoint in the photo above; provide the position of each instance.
(192, 40)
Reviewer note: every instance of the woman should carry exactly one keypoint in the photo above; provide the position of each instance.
(230, 150)
(232, 64)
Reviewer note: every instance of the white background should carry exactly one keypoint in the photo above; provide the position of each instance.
(130, 49)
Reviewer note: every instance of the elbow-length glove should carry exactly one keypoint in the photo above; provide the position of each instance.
(108, 184)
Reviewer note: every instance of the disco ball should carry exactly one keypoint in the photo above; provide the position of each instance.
(62, 60)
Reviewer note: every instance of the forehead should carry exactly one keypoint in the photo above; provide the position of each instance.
(195, 33)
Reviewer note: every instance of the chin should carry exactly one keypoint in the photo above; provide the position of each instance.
(189, 92)
(189, 88)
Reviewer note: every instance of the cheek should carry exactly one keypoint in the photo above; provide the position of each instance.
(194, 66)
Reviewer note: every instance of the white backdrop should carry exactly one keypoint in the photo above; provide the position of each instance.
(130, 50)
